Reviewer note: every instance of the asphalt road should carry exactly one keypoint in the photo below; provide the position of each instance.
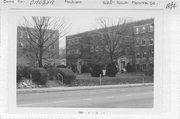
(129, 97)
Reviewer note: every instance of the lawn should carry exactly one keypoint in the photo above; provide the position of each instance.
(123, 78)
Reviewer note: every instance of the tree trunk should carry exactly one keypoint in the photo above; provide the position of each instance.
(40, 57)
(111, 57)
(40, 62)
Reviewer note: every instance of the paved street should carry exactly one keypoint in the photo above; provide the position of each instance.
(129, 97)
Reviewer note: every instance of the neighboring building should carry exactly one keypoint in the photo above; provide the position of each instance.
(144, 44)
(143, 40)
(27, 58)
(83, 48)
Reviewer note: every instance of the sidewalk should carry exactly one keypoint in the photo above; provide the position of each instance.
(59, 89)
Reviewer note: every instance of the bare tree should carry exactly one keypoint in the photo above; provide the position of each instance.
(62, 53)
(42, 34)
(114, 35)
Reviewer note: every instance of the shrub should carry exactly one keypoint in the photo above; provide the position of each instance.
(53, 73)
(19, 73)
(111, 70)
(84, 69)
(39, 75)
(96, 71)
(68, 75)
(23, 71)
(149, 71)
(128, 67)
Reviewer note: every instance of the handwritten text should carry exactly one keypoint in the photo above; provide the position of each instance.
(171, 5)
(41, 2)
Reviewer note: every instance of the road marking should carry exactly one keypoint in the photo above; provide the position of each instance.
(87, 99)
(110, 97)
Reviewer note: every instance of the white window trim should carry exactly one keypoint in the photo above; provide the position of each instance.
(143, 29)
(142, 42)
(150, 41)
(150, 28)
(21, 34)
(136, 30)
(21, 44)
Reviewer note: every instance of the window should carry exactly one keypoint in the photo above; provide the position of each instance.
(138, 67)
(75, 41)
(92, 49)
(97, 48)
(136, 41)
(25, 35)
(150, 28)
(144, 54)
(138, 55)
(152, 54)
(151, 41)
(143, 29)
(151, 65)
(143, 42)
(144, 66)
(20, 44)
(136, 30)
(20, 34)
(28, 35)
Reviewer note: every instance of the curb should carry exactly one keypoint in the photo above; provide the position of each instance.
(60, 89)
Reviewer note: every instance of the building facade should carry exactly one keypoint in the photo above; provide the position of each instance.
(139, 53)
(26, 57)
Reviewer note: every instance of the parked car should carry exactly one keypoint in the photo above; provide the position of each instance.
(61, 66)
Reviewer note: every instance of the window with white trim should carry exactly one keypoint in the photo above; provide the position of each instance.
(20, 44)
(150, 28)
(143, 29)
(144, 54)
(143, 42)
(152, 54)
(151, 41)
(92, 49)
(138, 55)
(21, 34)
(144, 66)
(136, 30)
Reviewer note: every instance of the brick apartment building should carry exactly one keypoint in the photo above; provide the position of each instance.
(26, 58)
(83, 47)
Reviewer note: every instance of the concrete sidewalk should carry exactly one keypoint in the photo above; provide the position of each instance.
(58, 89)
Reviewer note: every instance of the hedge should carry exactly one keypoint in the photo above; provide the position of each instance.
(96, 71)
(39, 75)
(68, 75)
(111, 70)
(23, 71)
(53, 73)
